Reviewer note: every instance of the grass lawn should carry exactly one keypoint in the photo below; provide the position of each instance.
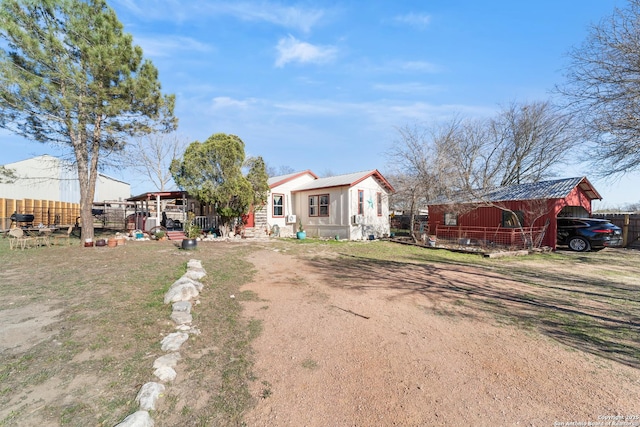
(88, 362)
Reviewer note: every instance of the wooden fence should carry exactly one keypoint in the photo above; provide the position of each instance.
(630, 224)
(46, 212)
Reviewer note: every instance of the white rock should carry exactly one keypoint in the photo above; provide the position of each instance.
(182, 306)
(195, 273)
(170, 360)
(165, 373)
(180, 317)
(137, 419)
(148, 396)
(194, 263)
(173, 341)
(185, 279)
(182, 292)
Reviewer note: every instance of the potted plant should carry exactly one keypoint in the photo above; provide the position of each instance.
(192, 232)
(159, 234)
(301, 233)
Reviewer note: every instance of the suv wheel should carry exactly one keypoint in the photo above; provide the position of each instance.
(579, 244)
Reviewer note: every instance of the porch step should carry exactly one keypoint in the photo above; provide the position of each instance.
(176, 235)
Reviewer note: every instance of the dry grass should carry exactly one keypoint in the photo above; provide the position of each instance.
(90, 362)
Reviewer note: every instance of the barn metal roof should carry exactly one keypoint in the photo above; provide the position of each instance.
(554, 189)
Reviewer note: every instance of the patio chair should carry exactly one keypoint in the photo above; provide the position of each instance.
(67, 236)
(18, 238)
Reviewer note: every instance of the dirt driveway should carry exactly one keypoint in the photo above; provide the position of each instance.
(411, 348)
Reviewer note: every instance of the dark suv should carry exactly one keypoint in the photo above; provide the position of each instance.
(584, 234)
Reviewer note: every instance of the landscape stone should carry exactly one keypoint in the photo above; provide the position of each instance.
(165, 373)
(170, 360)
(195, 273)
(148, 396)
(181, 292)
(185, 279)
(194, 263)
(180, 317)
(173, 341)
(137, 419)
(182, 306)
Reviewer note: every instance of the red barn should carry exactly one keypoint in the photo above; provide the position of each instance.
(515, 216)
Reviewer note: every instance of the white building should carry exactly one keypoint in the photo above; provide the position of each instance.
(50, 178)
(353, 206)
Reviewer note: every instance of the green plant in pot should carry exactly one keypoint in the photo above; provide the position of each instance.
(192, 232)
(159, 234)
(301, 233)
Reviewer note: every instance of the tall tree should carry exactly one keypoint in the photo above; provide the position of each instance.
(212, 172)
(603, 87)
(151, 156)
(70, 76)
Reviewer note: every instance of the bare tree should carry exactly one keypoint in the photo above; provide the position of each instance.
(603, 87)
(531, 139)
(151, 156)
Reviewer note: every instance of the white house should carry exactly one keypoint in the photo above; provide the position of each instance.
(50, 178)
(353, 206)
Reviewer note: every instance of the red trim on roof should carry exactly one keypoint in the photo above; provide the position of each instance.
(376, 174)
(292, 177)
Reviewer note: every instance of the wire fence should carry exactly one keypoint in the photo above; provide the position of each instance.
(490, 237)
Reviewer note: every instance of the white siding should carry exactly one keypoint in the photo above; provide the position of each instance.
(372, 224)
(49, 178)
(286, 229)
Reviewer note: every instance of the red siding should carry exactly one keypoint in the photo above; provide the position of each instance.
(536, 211)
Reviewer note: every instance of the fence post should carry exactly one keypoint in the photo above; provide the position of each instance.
(625, 231)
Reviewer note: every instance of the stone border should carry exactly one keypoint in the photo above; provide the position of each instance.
(180, 294)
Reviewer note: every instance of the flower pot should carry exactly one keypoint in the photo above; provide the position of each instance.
(301, 235)
(189, 244)
(101, 242)
(112, 243)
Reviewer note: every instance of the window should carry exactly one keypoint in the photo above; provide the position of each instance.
(319, 205)
(313, 205)
(450, 218)
(360, 202)
(513, 219)
(278, 205)
(379, 202)
(324, 205)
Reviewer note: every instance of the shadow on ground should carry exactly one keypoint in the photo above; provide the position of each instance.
(600, 317)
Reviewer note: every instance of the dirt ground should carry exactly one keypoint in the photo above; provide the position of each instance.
(350, 342)
(348, 351)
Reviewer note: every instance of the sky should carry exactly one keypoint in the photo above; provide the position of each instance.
(324, 85)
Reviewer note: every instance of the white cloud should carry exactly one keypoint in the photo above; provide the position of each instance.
(411, 87)
(225, 102)
(292, 50)
(420, 66)
(168, 45)
(292, 17)
(417, 20)
(284, 16)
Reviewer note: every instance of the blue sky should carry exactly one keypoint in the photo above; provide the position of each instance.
(323, 85)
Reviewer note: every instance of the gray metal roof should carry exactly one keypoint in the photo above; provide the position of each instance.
(348, 180)
(554, 189)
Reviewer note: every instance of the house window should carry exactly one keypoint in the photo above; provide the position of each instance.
(379, 202)
(360, 202)
(313, 205)
(278, 205)
(319, 205)
(324, 204)
(450, 218)
(513, 219)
